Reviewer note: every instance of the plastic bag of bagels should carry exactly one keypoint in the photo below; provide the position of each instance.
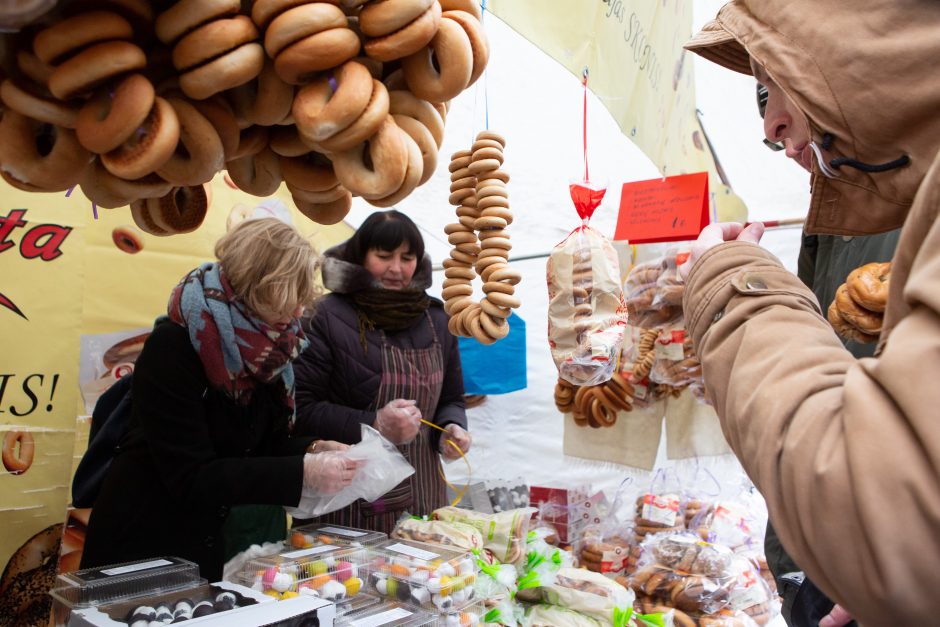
(586, 313)
(682, 571)
(676, 362)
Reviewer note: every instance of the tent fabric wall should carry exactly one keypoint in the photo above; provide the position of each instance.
(536, 104)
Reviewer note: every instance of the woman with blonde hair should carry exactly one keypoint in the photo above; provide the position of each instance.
(213, 407)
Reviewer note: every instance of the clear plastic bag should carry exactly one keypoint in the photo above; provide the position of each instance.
(450, 534)
(677, 363)
(384, 468)
(586, 312)
(682, 571)
(589, 593)
(751, 594)
(504, 533)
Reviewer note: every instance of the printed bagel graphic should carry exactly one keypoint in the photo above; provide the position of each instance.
(27, 579)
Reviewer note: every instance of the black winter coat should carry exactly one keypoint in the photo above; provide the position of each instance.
(190, 453)
(337, 380)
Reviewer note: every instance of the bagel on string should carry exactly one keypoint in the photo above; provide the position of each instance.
(391, 41)
(481, 245)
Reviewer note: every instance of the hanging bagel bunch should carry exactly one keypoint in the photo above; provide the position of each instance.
(142, 103)
(481, 243)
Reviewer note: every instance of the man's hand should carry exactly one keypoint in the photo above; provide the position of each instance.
(836, 618)
(719, 233)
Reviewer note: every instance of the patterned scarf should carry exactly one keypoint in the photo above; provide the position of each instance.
(237, 349)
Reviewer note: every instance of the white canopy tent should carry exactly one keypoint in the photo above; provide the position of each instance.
(536, 104)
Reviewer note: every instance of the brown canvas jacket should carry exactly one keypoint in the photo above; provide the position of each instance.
(846, 451)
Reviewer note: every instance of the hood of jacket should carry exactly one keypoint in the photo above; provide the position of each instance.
(860, 70)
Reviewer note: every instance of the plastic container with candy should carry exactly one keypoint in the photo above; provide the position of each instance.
(332, 572)
(388, 614)
(92, 587)
(426, 575)
(306, 536)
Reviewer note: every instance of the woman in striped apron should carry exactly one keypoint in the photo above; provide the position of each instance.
(380, 354)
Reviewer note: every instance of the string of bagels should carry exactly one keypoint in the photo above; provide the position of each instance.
(481, 243)
(140, 106)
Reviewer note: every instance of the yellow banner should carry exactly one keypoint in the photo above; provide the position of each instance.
(71, 296)
(632, 52)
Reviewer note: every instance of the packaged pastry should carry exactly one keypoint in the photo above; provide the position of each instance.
(553, 616)
(589, 593)
(450, 534)
(676, 363)
(586, 312)
(504, 534)
(686, 573)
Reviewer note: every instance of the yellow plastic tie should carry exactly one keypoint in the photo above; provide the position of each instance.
(440, 471)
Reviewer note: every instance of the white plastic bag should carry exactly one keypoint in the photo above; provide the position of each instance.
(384, 468)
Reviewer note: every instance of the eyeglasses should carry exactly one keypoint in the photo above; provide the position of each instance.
(761, 109)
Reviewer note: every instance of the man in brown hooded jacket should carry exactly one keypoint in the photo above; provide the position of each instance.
(846, 451)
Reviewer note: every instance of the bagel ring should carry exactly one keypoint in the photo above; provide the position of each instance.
(18, 450)
(204, 155)
(389, 155)
(413, 175)
(868, 286)
(258, 174)
(42, 109)
(425, 142)
(230, 70)
(108, 118)
(150, 147)
(364, 127)
(326, 213)
(408, 40)
(211, 40)
(859, 317)
(300, 22)
(332, 103)
(80, 31)
(266, 100)
(40, 155)
(180, 211)
(127, 240)
(382, 18)
(93, 66)
(479, 46)
(322, 51)
(450, 51)
(185, 15)
(310, 172)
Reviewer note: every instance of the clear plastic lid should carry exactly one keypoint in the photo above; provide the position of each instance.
(333, 572)
(317, 533)
(356, 604)
(93, 586)
(426, 575)
(468, 615)
(388, 615)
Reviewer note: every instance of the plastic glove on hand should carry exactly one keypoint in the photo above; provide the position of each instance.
(399, 421)
(329, 472)
(459, 436)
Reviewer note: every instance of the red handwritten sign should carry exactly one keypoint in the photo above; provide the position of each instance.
(670, 210)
